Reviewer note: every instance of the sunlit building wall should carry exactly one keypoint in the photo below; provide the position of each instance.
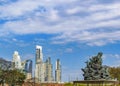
(39, 69)
(16, 60)
(58, 71)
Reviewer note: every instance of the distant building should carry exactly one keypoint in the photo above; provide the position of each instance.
(25, 66)
(44, 70)
(58, 71)
(48, 71)
(16, 60)
(40, 66)
(28, 68)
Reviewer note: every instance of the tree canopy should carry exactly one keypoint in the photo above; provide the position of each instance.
(115, 72)
(11, 77)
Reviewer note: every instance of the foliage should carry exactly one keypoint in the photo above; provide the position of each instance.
(0, 76)
(12, 77)
(115, 72)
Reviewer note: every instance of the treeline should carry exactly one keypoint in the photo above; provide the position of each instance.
(115, 73)
(11, 77)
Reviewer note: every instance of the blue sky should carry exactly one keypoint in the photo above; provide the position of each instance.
(72, 31)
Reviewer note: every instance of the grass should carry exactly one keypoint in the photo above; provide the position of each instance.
(71, 84)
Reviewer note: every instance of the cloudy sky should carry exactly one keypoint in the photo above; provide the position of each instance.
(71, 30)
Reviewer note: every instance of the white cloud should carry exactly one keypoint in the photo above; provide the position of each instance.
(75, 10)
(90, 38)
(111, 59)
(69, 50)
(24, 7)
(115, 56)
(89, 22)
(14, 41)
(54, 15)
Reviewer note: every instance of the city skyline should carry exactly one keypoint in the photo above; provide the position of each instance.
(72, 31)
(42, 70)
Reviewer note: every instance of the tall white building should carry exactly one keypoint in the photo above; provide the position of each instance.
(44, 70)
(40, 66)
(25, 66)
(58, 71)
(16, 60)
(48, 71)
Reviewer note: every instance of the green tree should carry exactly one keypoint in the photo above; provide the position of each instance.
(2, 77)
(14, 77)
(11, 77)
(115, 72)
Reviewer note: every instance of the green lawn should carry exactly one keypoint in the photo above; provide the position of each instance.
(70, 84)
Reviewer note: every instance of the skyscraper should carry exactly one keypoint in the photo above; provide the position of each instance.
(39, 70)
(48, 71)
(28, 68)
(58, 71)
(16, 60)
(44, 70)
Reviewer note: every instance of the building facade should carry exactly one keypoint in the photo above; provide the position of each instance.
(58, 71)
(28, 69)
(44, 70)
(39, 65)
(48, 71)
(25, 66)
(16, 60)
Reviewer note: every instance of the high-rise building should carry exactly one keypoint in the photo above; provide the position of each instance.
(58, 71)
(44, 70)
(16, 60)
(28, 69)
(39, 70)
(48, 71)
(16, 63)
